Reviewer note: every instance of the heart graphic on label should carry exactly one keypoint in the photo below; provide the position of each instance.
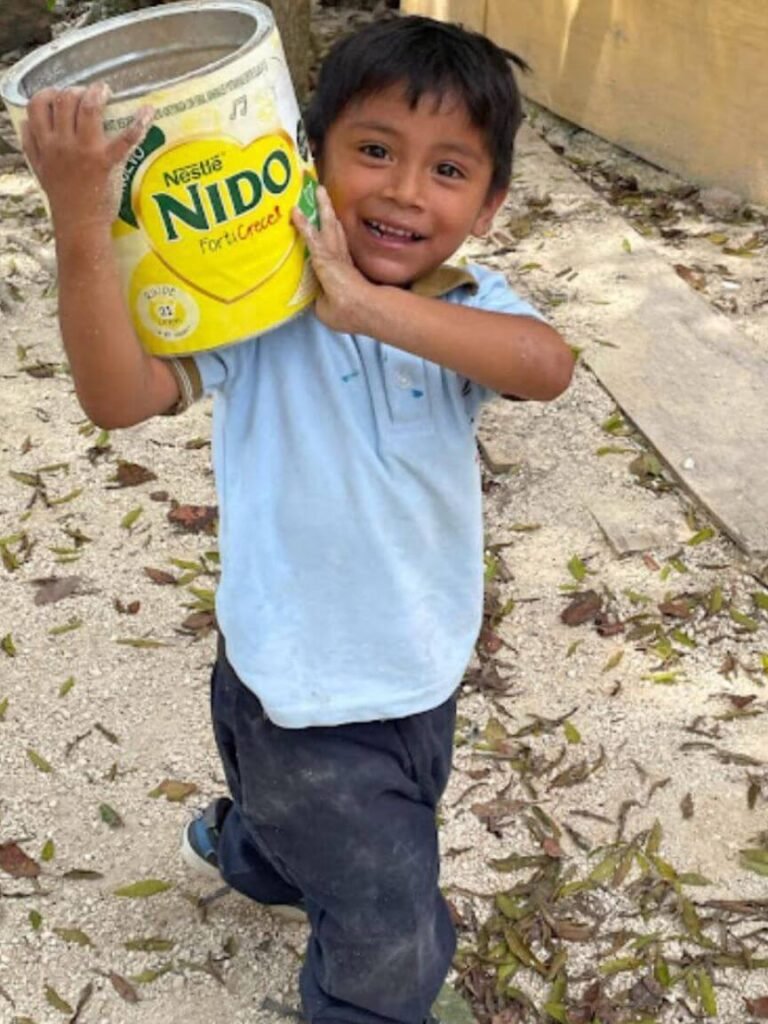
(218, 214)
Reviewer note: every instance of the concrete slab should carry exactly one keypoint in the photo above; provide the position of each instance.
(690, 381)
(629, 530)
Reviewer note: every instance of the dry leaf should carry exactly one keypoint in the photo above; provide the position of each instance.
(174, 791)
(53, 998)
(131, 474)
(583, 608)
(56, 588)
(697, 281)
(16, 863)
(123, 988)
(686, 806)
(194, 518)
(142, 890)
(160, 576)
(676, 608)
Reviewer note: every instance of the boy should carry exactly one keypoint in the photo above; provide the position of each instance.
(350, 519)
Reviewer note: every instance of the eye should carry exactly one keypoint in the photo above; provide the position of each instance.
(374, 150)
(446, 170)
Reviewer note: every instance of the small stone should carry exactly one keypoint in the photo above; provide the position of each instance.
(689, 463)
(500, 453)
(720, 202)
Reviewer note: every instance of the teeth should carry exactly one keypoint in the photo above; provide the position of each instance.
(386, 229)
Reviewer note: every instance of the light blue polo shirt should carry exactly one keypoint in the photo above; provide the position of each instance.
(351, 532)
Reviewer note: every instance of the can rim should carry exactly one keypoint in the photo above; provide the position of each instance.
(263, 18)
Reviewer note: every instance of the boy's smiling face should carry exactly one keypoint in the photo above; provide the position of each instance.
(408, 185)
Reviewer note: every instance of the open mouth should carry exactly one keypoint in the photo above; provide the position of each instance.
(392, 233)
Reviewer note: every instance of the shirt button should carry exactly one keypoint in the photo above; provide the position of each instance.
(403, 380)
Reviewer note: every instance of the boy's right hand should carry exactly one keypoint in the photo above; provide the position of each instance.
(72, 157)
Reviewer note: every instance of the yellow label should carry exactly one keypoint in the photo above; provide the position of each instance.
(218, 214)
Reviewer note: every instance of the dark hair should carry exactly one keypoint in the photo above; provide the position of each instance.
(430, 58)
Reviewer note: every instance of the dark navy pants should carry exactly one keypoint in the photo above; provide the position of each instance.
(344, 817)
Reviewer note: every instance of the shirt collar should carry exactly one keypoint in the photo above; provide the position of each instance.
(442, 280)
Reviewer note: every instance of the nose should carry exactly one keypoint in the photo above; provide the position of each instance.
(405, 185)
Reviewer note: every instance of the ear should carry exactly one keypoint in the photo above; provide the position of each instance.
(487, 211)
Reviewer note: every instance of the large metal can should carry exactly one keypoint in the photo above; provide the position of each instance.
(203, 236)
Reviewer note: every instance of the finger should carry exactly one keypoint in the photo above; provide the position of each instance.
(64, 109)
(90, 113)
(30, 147)
(306, 229)
(325, 206)
(40, 113)
(334, 233)
(121, 147)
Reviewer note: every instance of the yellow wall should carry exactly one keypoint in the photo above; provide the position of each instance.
(683, 83)
(470, 13)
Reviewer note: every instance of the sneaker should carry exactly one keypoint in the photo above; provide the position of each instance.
(199, 845)
(200, 838)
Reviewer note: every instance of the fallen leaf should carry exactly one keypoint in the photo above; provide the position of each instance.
(746, 622)
(38, 761)
(572, 734)
(16, 863)
(131, 474)
(66, 686)
(160, 576)
(758, 1007)
(82, 875)
(56, 588)
(130, 518)
(66, 627)
(613, 661)
(53, 998)
(140, 642)
(676, 608)
(82, 1001)
(697, 281)
(686, 806)
(203, 622)
(144, 889)
(552, 848)
(173, 791)
(151, 974)
(73, 935)
(583, 608)
(608, 626)
(123, 987)
(194, 518)
(707, 993)
(577, 568)
(153, 944)
(106, 733)
(110, 816)
(755, 860)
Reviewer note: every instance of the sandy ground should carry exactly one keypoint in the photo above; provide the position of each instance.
(92, 715)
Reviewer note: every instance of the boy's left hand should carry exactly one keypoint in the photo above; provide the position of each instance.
(342, 302)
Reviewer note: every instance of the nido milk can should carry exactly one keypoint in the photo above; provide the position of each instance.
(203, 236)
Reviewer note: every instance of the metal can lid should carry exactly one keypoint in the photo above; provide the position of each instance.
(142, 51)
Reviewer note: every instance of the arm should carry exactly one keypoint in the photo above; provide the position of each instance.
(117, 382)
(516, 355)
